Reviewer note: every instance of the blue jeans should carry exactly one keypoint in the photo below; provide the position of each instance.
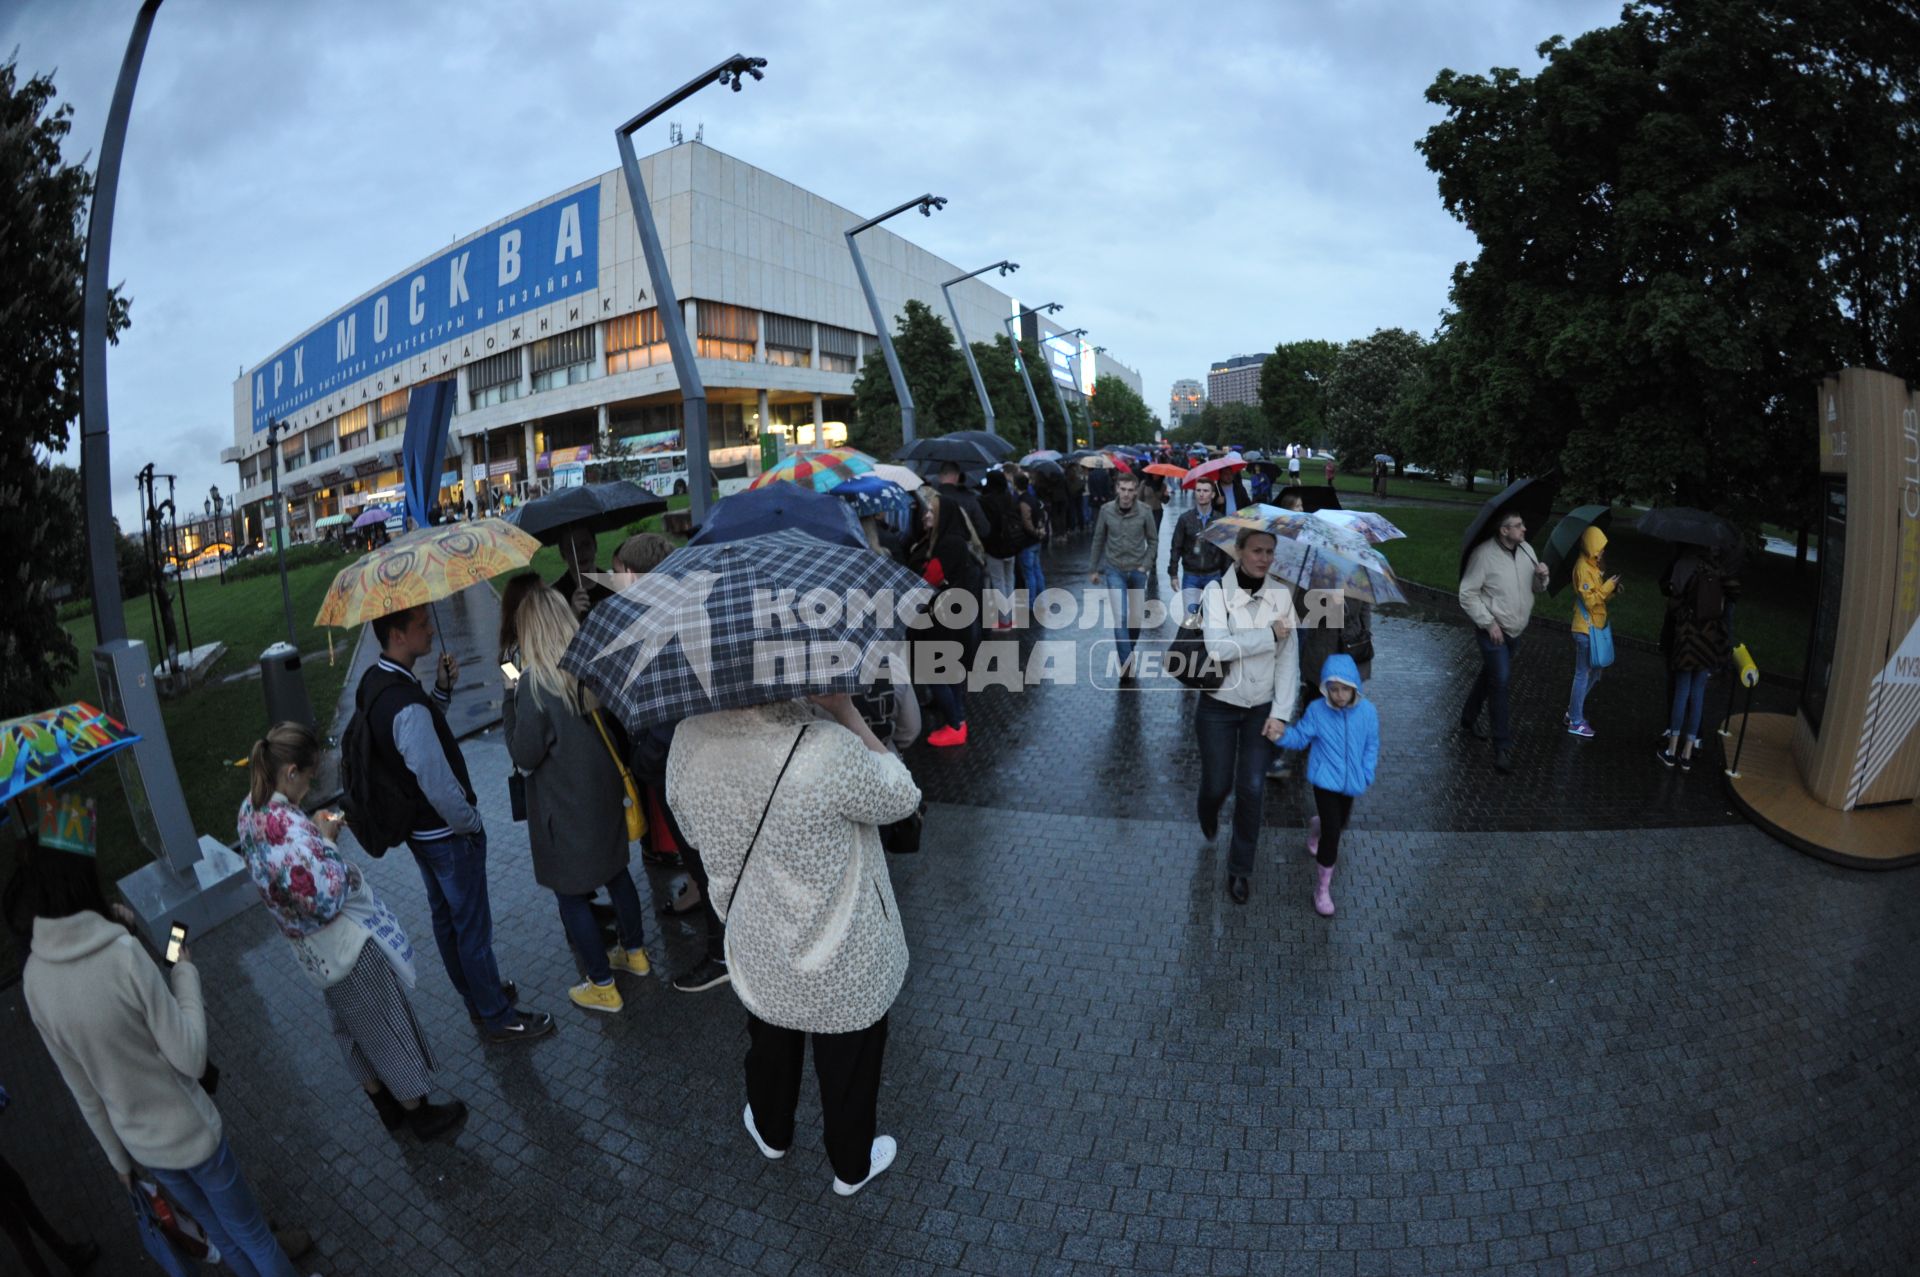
(1233, 760)
(1030, 572)
(1086, 510)
(1490, 689)
(1191, 586)
(951, 700)
(455, 872)
(216, 1194)
(1585, 677)
(1119, 582)
(1689, 698)
(583, 933)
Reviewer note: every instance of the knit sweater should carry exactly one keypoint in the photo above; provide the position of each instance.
(814, 940)
(131, 1050)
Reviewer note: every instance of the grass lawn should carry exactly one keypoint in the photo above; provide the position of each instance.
(1772, 619)
(1420, 487)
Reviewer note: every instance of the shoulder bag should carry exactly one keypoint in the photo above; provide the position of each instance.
(742, 875)
(1187, 657)
(636, 814)
(1599, 640)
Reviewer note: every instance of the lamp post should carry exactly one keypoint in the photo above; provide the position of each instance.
(926, 204)
(274, 427)
(1057, 392)
(693, 392)
(973, 365)
(1039, 419)
(1084, 394)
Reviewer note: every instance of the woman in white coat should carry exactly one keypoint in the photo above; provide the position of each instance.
(785, 804)
(1249, 627)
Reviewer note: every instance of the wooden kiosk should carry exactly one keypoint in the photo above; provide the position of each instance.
(1839, 779)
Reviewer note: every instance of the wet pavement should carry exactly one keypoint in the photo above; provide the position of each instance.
(1580, 1021)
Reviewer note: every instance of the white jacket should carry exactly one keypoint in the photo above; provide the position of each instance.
(1238, 628)
(814, 940)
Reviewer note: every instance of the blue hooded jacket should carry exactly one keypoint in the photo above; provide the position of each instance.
(1346, 742)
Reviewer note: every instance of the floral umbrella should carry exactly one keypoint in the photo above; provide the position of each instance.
(822, 470)
(1314, 557)
(56, 745)
(1368, 524)
(424, 566)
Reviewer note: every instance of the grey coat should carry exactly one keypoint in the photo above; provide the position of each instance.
(576, 818)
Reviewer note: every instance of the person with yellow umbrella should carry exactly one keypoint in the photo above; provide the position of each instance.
(405, 778)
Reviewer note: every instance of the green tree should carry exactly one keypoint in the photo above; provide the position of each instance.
(1370, 394)
(943, 397)
(43, 205)
(1120, 414)
(1217, 424)
(1683, 219)
(1013, 414)
(1293, 389)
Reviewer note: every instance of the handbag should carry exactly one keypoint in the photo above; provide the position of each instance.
(153, 1236)
(742, 875)
(1189, 661)
(636, 814)
(902, 837)
(517, 794)
(1599, 641)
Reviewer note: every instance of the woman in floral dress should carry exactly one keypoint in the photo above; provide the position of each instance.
(346, 940)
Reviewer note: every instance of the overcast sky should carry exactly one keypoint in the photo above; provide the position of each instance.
(1195, 181)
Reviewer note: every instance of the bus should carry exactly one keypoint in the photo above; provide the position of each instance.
(662, 473)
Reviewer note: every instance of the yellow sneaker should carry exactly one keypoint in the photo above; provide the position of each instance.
(632, 961)
(596, 997)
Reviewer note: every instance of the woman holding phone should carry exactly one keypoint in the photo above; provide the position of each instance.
(346, 940)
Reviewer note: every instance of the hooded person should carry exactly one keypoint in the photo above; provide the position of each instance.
(1341, 732)
(1592, 589)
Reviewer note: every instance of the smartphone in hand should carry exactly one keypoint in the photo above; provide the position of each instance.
(510, 671)
(176, 938)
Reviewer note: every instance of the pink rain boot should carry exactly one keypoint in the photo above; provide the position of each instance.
(1323, 891)
(1313, 836)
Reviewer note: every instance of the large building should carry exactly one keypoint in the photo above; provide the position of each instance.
(1236, 380)
(1188, 399)
(545, 322)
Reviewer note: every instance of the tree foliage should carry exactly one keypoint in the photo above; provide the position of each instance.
(43, 205)
(1225, 423)
(1293, 388)
(1120, 414)
(1375, 383)
(1684, 219)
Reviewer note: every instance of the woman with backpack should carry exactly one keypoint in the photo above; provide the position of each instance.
(347, 942)
(1700, 644)
(576, 800)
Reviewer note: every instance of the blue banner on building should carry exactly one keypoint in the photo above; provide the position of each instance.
(549, 253)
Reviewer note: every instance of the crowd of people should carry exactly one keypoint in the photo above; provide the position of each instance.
(780, 817)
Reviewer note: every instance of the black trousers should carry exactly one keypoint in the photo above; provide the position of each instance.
(848, 1068)
(1335, 810)
(20, 1219)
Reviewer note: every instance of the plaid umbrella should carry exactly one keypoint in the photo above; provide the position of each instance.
(822, 471)
(56, 745)
(727, 626)
(424, 566)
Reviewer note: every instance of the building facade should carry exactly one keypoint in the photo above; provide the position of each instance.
(545, 321)
(1236, 380)
(1188, 399)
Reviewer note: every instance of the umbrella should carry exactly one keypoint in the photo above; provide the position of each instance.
(1271, 469)
(1531, 498)
(1381, 456)
(932, 452)
(758, 511)
(1358, 570)
(870, 495)
(898, 474)
(424, 566)
(56, 745)
(1563, 547)
(1167, 470)
(1694, 527)
(1207, 470)
(697, 635)
(820, 470)
(1368, 524)
(1313, 497)
(1097, 461)
(1044, 454)
(602, 507)
(375, 515)
(996, 446)
(1051, 468)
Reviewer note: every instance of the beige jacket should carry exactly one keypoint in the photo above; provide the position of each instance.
(814, 940)
(1238, 629)
(1499, 586)
(131, 1050)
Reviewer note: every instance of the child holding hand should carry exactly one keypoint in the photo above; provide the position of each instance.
(1341, 731)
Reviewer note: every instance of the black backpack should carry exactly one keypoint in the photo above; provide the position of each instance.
(375, 806)
(1705, 595)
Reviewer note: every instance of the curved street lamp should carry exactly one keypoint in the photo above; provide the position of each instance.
(1057, 393)
(927, 204)
(973, 365)
(1039, 419)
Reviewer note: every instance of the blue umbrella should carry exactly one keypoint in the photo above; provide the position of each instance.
(870, 495)
(776, 508)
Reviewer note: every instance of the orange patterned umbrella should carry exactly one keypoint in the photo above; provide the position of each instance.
(424, 567)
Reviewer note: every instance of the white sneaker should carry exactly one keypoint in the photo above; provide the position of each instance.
(878, 1160)
(771, 1154)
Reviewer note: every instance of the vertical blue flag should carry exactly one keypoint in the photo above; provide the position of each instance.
(423, 448)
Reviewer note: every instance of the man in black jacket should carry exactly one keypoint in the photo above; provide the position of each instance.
(1002, 541)
(1200, 561)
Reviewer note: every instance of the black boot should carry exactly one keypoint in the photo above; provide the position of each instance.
(428, 1121)
(392, 1112)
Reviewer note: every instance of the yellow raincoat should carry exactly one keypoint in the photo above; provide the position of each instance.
(1590, 585)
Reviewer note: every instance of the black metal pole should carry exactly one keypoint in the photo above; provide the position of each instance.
(109, 614)
(142, 480)
(280, 526)
(179, 568)
(1741, 745)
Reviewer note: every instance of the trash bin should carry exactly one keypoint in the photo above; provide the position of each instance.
(286, 689)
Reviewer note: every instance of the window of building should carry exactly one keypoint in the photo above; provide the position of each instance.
(352, 427)
(635, 341)
(726, 332)
(563, 360)
(789, 342)
(249, 473)
(390, 415)
(320, 451)
(839, 349)
(494, 379)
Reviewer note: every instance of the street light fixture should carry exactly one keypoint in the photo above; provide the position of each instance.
(973, 365)
(1039, 419)
(926, 204)
(693, 392)
(275, 426)
(1057, 393)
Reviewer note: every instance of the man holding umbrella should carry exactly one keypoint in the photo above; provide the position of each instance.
(1497, 590)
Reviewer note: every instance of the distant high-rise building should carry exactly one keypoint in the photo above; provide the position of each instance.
(1235, 380)
(1189, 397)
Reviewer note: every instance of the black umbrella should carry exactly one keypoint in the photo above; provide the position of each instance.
(939, 448)
(1695, 527)
(1050, 468)
(1313, 498)
(1563, 547)
(600, 506)
(1000, 448)
(1530, 498)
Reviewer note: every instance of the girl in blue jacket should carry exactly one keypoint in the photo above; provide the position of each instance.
(1343, 732)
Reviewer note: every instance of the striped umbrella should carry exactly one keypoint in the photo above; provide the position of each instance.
(822, 470)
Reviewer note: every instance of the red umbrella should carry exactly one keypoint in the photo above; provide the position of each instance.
(1220, 465)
